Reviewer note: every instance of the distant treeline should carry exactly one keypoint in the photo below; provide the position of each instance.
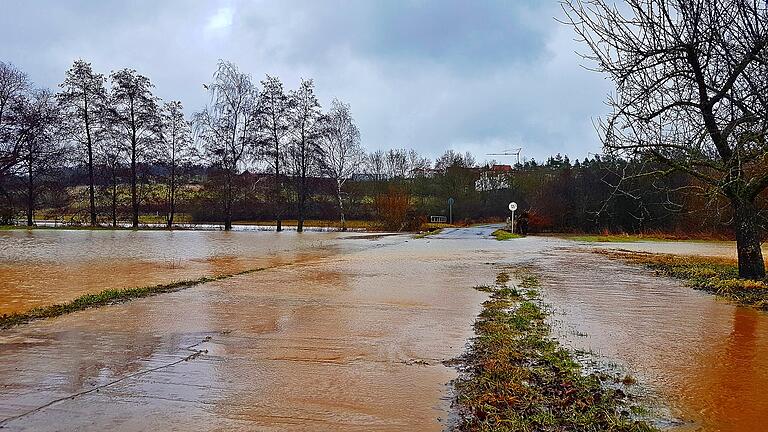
(94, 153)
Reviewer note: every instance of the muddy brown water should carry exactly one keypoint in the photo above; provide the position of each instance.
(43, 267)
(343, 333)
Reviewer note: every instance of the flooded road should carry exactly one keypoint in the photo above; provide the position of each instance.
(349, 340)
(704, 358)
(349, 332)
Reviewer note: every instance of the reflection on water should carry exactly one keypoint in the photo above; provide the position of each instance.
(42, 267)
(706, 357)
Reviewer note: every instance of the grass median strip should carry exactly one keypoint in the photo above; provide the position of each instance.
(107, 297)
(719, 276)
(515, 377)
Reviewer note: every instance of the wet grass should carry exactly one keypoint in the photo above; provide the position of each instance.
(428, 233)
(106, 297)
(635, 238)
(502, 234)
(719, 276)
(515, 377)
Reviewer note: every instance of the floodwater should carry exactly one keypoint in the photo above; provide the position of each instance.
(351, 339)
(349, 332)
(43, 267)
(704, 358)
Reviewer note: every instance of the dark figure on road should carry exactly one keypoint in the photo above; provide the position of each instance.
(522, 223)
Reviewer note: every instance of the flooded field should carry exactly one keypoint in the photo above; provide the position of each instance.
(42, 267)
(347, 332)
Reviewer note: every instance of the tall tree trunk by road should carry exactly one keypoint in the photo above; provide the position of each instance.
(751, 264)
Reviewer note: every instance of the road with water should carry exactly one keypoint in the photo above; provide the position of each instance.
(342, 331)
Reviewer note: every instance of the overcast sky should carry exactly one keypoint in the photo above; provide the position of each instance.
(471, 75)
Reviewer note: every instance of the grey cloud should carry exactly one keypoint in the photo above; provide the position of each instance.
(468, 75)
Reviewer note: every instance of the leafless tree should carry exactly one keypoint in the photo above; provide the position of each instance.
(375, 165)
(691, 82)
(226, 127)
(111, 158)
(417, 163)
(82, 97)
(135, 114)
(42, 153)
(13, 85)
(274, 125)
(342, 153)
(304, 151)
(176, 150)
(396, 162)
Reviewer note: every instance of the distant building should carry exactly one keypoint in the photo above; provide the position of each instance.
(495, 177)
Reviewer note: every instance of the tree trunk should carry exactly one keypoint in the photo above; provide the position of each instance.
(134, 199)
(114, 198)
(228, 203)
(751, 264)
(30, 200)
(341, 208)
(91, 188)
(171, 197)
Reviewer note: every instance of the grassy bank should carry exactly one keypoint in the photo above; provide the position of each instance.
(502, 234)
(647, 237)
(515, 377)
(716, 275)
(106, 297)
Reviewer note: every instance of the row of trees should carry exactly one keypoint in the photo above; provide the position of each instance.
(121, 131)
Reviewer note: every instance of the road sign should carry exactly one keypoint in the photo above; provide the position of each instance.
(512, 207)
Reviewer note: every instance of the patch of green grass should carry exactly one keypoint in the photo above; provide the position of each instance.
(716, 275)
(515, 377)
(502, 234)
(106, 297)
(427, 233)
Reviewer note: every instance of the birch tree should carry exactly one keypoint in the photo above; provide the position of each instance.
(226, 128)
(342, 153)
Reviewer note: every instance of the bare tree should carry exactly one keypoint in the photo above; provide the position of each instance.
(375, 165)
(111, 157)
(417, 163)
(691, 92)
(176, 150)
(134, 112)
(13, 85)
(226, 127)
(304, 151)
(42, 152)
(82, 98)
(342, 153)
(274, 124)
(396, 162)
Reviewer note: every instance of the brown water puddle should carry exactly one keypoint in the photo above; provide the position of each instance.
(706, 358)
(350, 341)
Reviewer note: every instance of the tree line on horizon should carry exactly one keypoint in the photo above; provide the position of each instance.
(106, 149)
